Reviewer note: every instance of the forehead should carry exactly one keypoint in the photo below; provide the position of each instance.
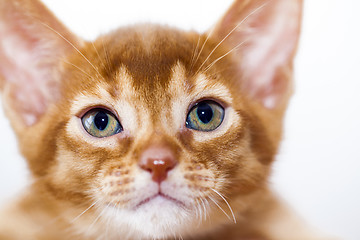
(148, 53)
(151, 63)
(148, 57)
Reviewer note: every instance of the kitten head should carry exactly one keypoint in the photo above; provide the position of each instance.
(150, 128)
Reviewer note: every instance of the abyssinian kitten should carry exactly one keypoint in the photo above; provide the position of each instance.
(149, 132)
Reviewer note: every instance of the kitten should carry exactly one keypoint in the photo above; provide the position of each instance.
(149, 132)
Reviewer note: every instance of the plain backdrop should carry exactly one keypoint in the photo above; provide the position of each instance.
(318, 166)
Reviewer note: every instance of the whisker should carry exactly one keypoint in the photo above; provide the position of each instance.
(98, 217)
(219, 58)
(192, 62)
(77, 217)
(80, 69)
(237, 26)
(227, 215)
(72, 45)
(174, 236)
(199, 210)
(232, 212)
(215, 75)
(203, 205)
(98, 54)
(224, 69)
(204, 43)
(107, 59)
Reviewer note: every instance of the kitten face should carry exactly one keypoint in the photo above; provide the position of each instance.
(148, 132)
(152, 100)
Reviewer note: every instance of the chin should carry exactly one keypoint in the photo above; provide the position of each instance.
(156, 218)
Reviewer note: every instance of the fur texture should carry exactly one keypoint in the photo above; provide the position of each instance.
(149, 77)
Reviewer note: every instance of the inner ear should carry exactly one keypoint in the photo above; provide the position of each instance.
(268, 32)
(32, 44)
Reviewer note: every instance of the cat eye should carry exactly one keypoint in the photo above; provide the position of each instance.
(101, 123)
(205, 116)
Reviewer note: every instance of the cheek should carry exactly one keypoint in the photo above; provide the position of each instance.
(73, 171)
(221, 154)
(78, 163)
(117, 184)
(232, 159)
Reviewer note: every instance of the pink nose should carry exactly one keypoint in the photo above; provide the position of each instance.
(158, 160)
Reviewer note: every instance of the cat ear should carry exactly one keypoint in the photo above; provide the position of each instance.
(264, 36)
(32, 44)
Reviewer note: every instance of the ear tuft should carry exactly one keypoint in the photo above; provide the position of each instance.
(270, 31)
(32, 46)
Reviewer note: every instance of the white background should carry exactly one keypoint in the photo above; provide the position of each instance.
(318, 167)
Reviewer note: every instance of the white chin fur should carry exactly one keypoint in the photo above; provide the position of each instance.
(157, 219)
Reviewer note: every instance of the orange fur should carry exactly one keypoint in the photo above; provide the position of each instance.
(148, 77)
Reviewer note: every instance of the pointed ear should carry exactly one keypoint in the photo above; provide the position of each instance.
(264, 35)
(32, 44)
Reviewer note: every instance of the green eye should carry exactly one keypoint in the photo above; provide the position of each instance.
(205, 116)
(101, 123)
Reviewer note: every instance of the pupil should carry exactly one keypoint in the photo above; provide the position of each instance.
(101, 120)
(204, 112)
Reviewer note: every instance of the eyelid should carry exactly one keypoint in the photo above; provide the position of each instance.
(222, 103)
(85, 110)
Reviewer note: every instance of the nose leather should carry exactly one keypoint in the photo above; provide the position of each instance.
(158, 160)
